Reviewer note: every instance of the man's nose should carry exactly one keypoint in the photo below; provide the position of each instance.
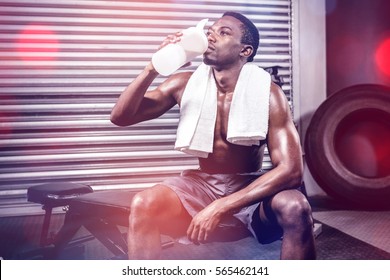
(210, 37)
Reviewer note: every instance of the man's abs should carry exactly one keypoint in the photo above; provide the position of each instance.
(229, 158)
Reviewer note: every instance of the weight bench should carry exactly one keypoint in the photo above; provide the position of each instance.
(103, 213)
(52, 195)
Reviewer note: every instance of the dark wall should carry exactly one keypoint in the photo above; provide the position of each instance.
(358, 43)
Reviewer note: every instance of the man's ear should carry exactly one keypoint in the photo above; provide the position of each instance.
(247, 51)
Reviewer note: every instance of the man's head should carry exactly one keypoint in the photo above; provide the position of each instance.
(250, 34)
(233, 39)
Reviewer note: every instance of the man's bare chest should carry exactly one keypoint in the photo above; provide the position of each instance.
(224, 101)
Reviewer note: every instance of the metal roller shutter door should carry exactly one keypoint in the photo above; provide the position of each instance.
(63, 65)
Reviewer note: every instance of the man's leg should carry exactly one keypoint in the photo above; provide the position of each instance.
(154, 211)
(292, 212)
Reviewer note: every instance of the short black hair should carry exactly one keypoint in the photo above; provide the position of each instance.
(250, 34)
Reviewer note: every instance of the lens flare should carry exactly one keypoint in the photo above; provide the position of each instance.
(382, 57)
(37, 42)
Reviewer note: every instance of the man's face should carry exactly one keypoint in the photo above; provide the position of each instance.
(224, 38)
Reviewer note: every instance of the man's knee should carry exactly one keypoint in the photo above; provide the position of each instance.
(145, 203)
(160, 207)
(155, 202)
(294, 211)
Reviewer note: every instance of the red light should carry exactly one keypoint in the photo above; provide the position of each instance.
(382, 57)
(37, 42)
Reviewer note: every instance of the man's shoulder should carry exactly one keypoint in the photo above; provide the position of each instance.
(178, 80)
(276, 92)
(185, 75)
(278, 99)
(175, 84)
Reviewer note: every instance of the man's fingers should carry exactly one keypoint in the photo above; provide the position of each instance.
(192, 233)
(202, 236)
(196, 233)
(171, 39)
(189, 230)
(194, 236)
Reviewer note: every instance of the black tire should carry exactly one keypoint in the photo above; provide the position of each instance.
(331, 152)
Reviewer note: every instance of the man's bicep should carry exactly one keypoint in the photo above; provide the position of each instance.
(154, 104)
(158, 101)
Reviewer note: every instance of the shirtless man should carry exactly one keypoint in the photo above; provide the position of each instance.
(281, 206)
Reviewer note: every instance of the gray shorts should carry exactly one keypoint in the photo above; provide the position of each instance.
(197, 189)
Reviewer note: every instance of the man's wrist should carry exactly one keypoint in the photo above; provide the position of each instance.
(150, 68)
(224, 207)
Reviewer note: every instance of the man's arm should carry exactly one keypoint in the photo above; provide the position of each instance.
(283, 145)
(285, 151)
(136, 104)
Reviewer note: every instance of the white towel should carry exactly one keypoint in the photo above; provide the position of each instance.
(248, 117)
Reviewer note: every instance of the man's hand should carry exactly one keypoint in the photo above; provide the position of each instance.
(204, 223)
(171, 39)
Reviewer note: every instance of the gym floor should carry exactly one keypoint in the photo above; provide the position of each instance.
(344, 234)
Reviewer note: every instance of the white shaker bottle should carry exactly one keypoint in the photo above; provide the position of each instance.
(172, 56)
